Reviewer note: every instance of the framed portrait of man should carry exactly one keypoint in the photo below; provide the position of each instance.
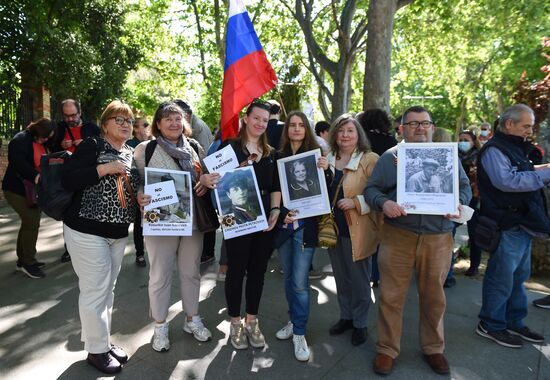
(303, 185)
(239, 203)
(171, 210)
(427, 178)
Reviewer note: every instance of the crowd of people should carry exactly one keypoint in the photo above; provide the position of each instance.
(378, 244)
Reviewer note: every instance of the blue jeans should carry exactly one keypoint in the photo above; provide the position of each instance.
(296, 261)
(504, 299)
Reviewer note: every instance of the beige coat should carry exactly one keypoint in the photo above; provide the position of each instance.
(365, 223)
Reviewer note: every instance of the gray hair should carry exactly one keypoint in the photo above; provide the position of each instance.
(513, 113)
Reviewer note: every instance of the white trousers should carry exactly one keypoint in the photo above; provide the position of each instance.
(97, 262)
(166, 253)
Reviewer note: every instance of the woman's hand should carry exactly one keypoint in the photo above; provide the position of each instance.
(200, 189)
(272, 221)
(322, 163)
(113, 167)
(143, 199)
(289, 218)
(345, 204)
(210, 180)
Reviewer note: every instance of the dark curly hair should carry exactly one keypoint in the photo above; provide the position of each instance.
(375, 120)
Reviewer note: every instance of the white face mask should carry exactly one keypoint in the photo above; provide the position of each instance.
(484, 133)
(464, 146)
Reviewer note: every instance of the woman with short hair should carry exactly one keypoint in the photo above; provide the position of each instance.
(95, 227)
(173, 151)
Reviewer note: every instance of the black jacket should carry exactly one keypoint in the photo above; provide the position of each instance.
(88, 130)
(20, 163)
(511, 209)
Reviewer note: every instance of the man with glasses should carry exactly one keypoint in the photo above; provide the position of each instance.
(69, 134)
(419, 243)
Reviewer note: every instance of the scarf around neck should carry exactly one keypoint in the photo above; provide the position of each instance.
(180, 152)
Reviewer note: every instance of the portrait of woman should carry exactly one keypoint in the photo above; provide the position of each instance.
(301, 183)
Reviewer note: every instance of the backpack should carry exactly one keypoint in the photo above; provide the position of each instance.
(53, 199)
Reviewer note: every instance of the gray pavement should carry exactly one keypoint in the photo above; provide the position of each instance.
(40, 328)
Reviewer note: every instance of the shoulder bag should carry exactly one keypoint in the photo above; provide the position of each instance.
(328, 230)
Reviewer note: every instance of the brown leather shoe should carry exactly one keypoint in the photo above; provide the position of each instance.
(383, 364)
(438, 363)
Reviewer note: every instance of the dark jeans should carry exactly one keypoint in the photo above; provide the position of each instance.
(246, 255)
(138, 233)
(208, 243)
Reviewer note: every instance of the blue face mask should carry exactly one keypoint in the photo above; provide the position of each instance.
(464, 146)
(484, 133)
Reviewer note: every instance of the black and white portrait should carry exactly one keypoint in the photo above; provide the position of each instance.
(427, 178)
(429, 170)
(237, 193)
(303, 184)
(302, 178)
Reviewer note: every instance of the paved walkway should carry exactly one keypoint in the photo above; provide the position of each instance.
(40, 328)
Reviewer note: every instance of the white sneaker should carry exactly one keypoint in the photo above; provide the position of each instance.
(221, 276)
(301, 350)
(285, 332)
(160, 337)
(197, 328)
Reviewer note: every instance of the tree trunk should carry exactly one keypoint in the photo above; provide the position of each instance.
(376, 82)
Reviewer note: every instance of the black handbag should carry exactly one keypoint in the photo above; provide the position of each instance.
(205, 215)
(487, 234)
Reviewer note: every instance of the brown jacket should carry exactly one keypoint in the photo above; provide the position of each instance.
(365, 223)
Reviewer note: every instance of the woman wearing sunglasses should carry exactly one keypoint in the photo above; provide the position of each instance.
(248, 255)
(96, 227)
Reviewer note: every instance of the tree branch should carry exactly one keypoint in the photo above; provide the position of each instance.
(201, 44)
(402, 3)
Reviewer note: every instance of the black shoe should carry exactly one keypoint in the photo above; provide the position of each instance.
(32, 271)
(65, 257)
(543, 302)
(206, 259)
(105, 362)
(471, 272)
(140, 261)
(40, 264)
(375, 284)
(526, 334)
(359, 336)
(449, 283)
(341, 326)
(502, 337)
(119, 354)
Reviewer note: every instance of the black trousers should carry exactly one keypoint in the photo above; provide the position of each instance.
(246, 255)
(138, 233)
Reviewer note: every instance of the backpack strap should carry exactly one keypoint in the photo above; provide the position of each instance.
(149, 150)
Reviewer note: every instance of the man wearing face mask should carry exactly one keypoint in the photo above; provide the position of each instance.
(485, 133)
(510, 188)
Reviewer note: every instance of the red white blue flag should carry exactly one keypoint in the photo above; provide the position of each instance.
(247, 72)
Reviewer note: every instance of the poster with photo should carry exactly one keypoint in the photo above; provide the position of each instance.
(303, 184)
(427, 178)
(239, 203)
(175, 218)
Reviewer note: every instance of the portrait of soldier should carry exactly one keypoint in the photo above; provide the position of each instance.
(238, 191)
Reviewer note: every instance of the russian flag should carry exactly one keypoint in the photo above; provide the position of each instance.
(247, 72)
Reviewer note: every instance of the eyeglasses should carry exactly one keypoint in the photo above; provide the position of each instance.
(72, 116)
(416, 124)
(120, 120)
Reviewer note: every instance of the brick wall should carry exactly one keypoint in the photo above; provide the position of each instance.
(3, 166)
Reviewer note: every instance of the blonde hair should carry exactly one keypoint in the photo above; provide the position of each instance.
(113, 109)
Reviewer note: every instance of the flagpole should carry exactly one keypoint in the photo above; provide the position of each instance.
(283, 108)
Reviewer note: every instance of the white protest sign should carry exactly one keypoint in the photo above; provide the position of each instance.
(162, 194)
(222, 160)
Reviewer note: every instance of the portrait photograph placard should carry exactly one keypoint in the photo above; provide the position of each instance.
(303, 184)
(427, 178)
(239, 203)
(168, 215)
